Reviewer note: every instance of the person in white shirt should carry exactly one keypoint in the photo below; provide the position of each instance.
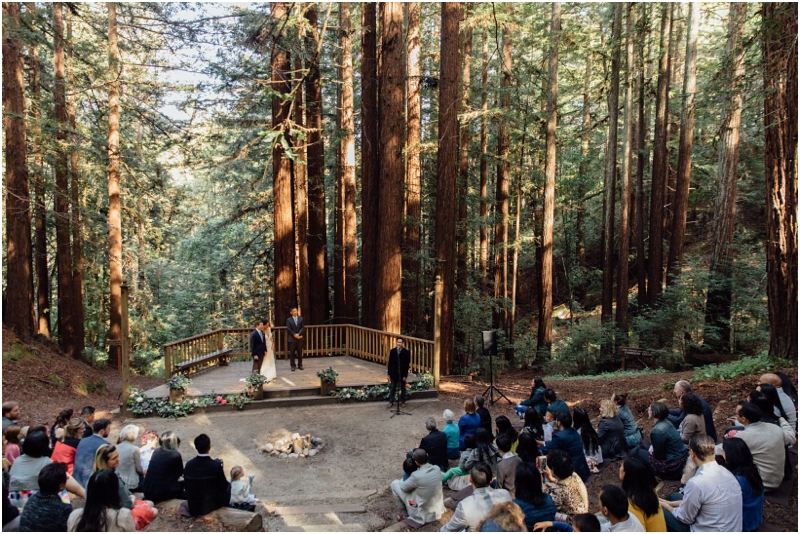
(240, 490)
(614, 505)
(471, 511)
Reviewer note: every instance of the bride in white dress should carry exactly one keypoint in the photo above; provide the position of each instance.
(268, 368)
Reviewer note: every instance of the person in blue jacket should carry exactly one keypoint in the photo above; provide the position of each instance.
(568, 440)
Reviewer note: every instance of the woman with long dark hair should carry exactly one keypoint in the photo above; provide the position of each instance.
(62, 420)
(533, 424)
(536, 400)
(535, 503)
(503, 426)
(591, 443)
(771, 393)
(527, 448)
(639, 482)
(485, 451)
(103, 511)
(693, 424)
(739, 461)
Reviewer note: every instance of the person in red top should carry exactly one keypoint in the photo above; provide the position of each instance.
(64, 450)
(13, 448)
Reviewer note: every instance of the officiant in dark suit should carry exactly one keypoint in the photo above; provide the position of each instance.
(258, 346)
(399, 360)
(295, 328)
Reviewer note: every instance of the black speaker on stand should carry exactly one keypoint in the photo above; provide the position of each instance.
(489, 338)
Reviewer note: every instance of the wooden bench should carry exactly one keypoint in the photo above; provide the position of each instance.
(220, 357)
(626, 353)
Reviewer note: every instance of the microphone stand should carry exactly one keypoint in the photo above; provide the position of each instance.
(397, 391)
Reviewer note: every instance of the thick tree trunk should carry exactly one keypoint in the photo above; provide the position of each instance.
(586, 133)
(447, 171)
(717, 332)
(642, 130)
(285, 283)
(18, 312)
(389, 265)
(299, 169)
(318, 296)
(484, 173)
(780, 165)
(544, 338)
(686, 142)
(369, 163)
(463, 163)
(655, 251)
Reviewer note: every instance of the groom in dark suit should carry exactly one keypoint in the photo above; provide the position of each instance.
(258, 346)
(295, 328)
(399, 360)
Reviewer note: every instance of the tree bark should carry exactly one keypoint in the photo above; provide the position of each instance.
(18, 312)
(463, 164)
(717, 332)
(369, 162)
(780, 164)
(544, 338)
(642, 130)
(484, 173)
(586, 134)
(300, 169)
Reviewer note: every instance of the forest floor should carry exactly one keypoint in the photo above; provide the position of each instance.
(364, 447)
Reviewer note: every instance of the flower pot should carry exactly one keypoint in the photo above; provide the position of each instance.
(257, 393)
(177, 395)
(326, 388)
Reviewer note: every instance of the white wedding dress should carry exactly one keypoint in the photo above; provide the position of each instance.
(268, 368)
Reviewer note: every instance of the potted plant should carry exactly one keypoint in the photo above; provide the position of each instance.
(255, 385)
(327, 379)
(178, 385)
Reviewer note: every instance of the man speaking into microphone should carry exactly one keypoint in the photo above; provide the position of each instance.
(399, 360)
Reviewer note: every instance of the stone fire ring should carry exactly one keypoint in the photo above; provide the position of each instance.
(294, 446)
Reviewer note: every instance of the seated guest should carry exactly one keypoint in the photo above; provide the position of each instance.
(130, 459)
(10, 414)
(103, 511)
(611, 432)
(241, 496)
(554, 404)
(788, 410)
(485, 452)
(424, 488)
(13, 449)
(580, 523)
(107, 457)
(409, 466)
(24, 474)
(712, 498)
(614, 505)
(527, 448)
(787, 388)
(591, 442)
(667, 454)
(568, 440)
(66, 447)
(503, 517)
(206, 486)
(507, 466)
(161, 483)
(766, 443)
(483, 413)
(84, 454)
(10, 512)
(451, 431)
(535, 503)
(693, 423)
(435, 444)
(639, 484)
(62, 420)
(474, 508)
(536, 400)
(676, 416)
(565, 486)
(469, 422)
(768, 415)
(149, 445)
(44, 511)
(87, 414)
(739, 461)
(534, 426)
(503, 426)
(457, 478)
(633, 436)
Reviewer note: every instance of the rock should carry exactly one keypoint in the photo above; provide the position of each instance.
(293, 456)
(312, 452)
(284, 455)
(297, 445)
(279, 444)
(305, 451)
(268, 447)
(302, 455)
(275, 453)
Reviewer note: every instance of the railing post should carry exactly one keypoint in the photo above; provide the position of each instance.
(437, 334)
(167, 362)
(347, 333)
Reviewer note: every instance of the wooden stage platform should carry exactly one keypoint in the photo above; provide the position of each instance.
(353, 372)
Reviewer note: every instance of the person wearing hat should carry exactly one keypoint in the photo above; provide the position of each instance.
(67, 445)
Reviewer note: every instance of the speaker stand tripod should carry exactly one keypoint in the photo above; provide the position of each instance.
(491, 390)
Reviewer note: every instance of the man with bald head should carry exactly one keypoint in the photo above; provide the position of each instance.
(786, 401)
(677, 415)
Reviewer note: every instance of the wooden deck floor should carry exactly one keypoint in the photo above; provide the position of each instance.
(353, 372)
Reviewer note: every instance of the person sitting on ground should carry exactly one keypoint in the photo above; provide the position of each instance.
(768, 415)
(676, 416)
(103, 511)
(614, 505)
(24, 474)
(535, 401)
(589, 438)
(474, 508)
(507, 466)
(503, 426)
(84, 454)
(207, 489)
(565, 486)
(451, 431)
(787, 388)
(739, 461)
(149, 445)
(469, 422)
(10, 513)
(420, 497)
(580, 523)
(457, 478)
(667, 454)
(503, 517)
(611, 432)
(409, 466)
(485, 452)
(67, 446)
(633, 436)
(568, 440)
(483, 413)
(435, 444)
(88, 416)
(527, 447)
(789, 410)
(44, 511)
(778, 410)
(534, 425)
(554, 404)
(712, 498)
(163, 480)
(130, 459)
(62, 420)
(13, 448)
(639, 484)
(535, 503)
(766, 443)
(107, 457)
(10, 414)
(693, 423)
(241, 496)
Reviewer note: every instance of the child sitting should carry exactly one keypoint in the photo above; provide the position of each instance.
(457, 478)
(241, 497)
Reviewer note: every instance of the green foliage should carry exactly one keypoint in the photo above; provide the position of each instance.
(380, 392)
(179, 382)
(89, 386)
(613, 374)
(174, 410)
(255, 380)
(328, 375)
(18, 352)
(751, 365)
(238, 399)
(57, 379)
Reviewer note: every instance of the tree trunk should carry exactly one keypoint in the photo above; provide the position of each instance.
(300, 169)
(447, 172)
(463, 164)
(18, 312)
(318, 296)
(655, 250)
(484, 173)
(389, 266)
(369, 163)
(717, 332)
(643, 128)
(411, 314)
(681, 203)
(780, 165)
(544, 339)
(586, 134)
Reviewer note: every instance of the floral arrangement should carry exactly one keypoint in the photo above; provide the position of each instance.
(380, 392)
(328, 375)
(255, 380)
(139, 403)
(423, 383)
(238, 400)
(179, 381)
(174, 410)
